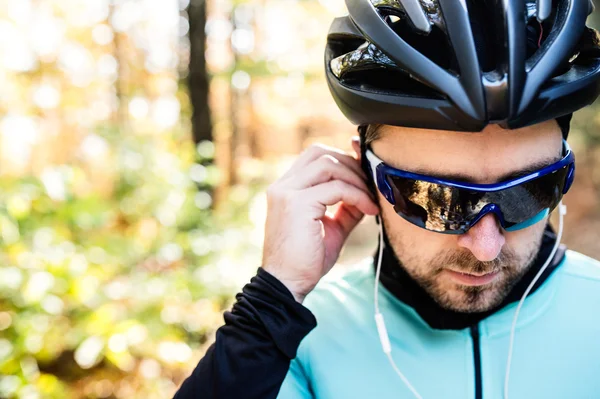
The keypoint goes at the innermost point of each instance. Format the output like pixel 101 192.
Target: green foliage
pixel 114 291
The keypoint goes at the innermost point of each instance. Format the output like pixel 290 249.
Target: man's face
pixel 471 272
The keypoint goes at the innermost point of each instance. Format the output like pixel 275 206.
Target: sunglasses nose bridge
pixel 489 208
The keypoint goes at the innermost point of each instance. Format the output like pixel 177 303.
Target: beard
pixel 429 272
pixel 510 267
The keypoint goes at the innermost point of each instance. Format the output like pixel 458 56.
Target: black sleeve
pixel 252 352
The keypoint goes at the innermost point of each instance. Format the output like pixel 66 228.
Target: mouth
pixel 472 279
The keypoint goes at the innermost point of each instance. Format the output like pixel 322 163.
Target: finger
pixel 332 192
pixel 347 218
pixel 339 225
pixel 322 170
pixel 318 150
pixel 337 228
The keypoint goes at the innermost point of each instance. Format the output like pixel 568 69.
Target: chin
pixel 471 299
pixel 467 306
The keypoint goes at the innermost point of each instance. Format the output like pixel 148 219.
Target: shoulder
pixel 579 281
pixel 344 287
pixel 342 302
pixel 580 267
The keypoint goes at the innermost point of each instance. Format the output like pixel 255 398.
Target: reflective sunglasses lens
pixel 524 205
pixel 432 206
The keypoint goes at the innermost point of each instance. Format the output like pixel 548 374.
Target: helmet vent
pixel 388 81
pixel 434 46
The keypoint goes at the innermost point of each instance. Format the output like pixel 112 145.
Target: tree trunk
pixel 198 76
pixel 121 118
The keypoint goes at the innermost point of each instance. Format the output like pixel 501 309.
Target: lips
pixel 472 279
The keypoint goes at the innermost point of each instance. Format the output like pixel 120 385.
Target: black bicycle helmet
pixel 462 64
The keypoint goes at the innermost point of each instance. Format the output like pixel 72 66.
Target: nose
pixel 484 239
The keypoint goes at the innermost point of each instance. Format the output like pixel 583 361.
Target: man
pixel 463 108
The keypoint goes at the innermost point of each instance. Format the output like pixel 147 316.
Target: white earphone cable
pixel 562 210
pixel 383 335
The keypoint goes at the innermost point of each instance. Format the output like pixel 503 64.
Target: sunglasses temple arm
pixel 374 162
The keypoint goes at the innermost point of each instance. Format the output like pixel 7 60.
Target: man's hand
pixel 303 240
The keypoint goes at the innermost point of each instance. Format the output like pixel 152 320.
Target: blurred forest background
pixel 129 217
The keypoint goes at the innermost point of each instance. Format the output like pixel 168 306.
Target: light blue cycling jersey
pixel 556 351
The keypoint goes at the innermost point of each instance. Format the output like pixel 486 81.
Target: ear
pixel 356 146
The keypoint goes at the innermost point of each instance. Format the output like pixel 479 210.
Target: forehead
pixel 482 157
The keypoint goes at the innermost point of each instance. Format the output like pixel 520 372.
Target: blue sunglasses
pixel 451 207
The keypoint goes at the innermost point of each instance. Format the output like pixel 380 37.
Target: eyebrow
pixel 458 177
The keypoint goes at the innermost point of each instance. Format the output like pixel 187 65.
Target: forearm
pixel 252 352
